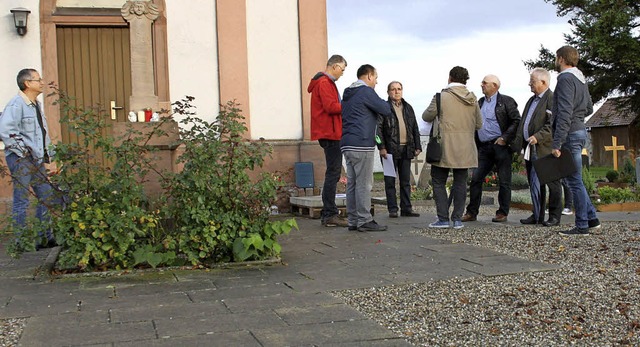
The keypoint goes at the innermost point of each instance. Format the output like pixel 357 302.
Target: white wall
pixel 274 69
pixel 18 52
pixel 193 54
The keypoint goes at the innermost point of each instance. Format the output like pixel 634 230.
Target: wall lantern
pixel 20 15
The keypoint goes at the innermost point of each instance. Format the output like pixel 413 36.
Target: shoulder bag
pixel 434 148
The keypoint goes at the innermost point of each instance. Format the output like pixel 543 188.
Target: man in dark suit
pixel 500 119
pixel 535 137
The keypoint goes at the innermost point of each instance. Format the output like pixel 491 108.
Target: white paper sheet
pixel 527 153
pixel 387 166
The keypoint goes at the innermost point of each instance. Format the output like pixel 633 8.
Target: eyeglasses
pixel 38 80
pixel 341 68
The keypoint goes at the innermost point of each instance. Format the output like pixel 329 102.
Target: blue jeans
pixel 359 184
pixel 333 159
pixel 25 173
pixel 584 209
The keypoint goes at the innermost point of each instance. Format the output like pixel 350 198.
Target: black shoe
pixel 353 228
pixel 594 224
pixel 530 220
pixel 409 213
pixel 393 214
pixel 575 232
pixel 372 226
pixel 551 222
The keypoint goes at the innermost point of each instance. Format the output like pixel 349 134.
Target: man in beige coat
pixel 459 119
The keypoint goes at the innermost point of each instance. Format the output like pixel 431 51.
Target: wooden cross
pixel 615 148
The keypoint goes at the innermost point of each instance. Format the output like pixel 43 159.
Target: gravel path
pixel 10 330
pixel 594 300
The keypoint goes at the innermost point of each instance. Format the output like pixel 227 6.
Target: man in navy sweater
pixel 361 107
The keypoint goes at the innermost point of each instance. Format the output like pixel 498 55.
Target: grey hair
pixel 23 76
pixel 542 74
pixel 336 59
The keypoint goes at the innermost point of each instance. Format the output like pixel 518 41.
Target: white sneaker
pixel 567 212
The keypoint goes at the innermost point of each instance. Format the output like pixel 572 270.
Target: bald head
pixel 490 85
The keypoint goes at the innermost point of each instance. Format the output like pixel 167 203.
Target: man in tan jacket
pixel 459 119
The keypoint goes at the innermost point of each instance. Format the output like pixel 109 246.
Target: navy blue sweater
pixel 361 107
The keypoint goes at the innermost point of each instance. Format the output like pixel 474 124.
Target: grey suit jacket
pixel 539 126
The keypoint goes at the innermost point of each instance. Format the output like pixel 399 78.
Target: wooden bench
pixel 311 206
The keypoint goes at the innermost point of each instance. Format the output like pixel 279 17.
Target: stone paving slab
pixel 58 332
pixel 276 305
pixel 233 338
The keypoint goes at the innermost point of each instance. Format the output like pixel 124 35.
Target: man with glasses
pixel 24 131
pixel 500 120
pixel 326 127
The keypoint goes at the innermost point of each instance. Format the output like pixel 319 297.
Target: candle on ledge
pixel 140 116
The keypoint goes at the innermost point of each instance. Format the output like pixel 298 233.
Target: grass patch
pixel 599 172
pixel 379 176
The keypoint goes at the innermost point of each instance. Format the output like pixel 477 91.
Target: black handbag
pixel 434 148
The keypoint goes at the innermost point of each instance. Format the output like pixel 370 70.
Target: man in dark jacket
pixel 534 138
pixel 400 137
pixel 361 108
pixel 326 127
pixel 571 104
pixel 500 119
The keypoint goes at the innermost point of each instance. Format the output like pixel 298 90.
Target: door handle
pixel 114 108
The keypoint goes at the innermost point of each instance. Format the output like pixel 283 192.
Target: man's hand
pixel 532 140
pixel 418 152
pixel 500 142
pixel 383 153
pixel 556 153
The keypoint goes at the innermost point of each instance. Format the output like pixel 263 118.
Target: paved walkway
pixel 267 305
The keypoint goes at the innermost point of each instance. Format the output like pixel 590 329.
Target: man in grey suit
pixel 534 132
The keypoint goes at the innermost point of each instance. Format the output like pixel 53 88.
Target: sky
pixel 417 42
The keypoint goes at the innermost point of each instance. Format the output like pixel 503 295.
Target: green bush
pixel 612 176
pixel 220 213
pixel 610 195
pixel 628 173
pixel 419 193
pixel 519 181
pixel 588 181
pixel 211 211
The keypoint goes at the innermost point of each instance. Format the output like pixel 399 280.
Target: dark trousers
pixel 568 197
pixel 458 192
pixel 403 169
pixel 333 158
pixel 490 155
pixel 555 196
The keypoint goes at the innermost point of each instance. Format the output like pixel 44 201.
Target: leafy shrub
pixel 588 181
pixel 610 195
pixel 220 213
pixel 521 197
pixel 420 193
pixel 211 210
pixel 612 176
pixel 628 173
pixel 106 217
pixel 519 181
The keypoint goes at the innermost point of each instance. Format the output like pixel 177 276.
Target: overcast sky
pixel 417 42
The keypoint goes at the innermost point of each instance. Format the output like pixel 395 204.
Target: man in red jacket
pixel 326 127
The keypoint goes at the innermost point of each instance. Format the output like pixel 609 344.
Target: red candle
pixel 147 114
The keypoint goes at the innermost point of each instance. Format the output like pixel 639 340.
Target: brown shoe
pixel 469 218
pixel 499 218
pixel 335 221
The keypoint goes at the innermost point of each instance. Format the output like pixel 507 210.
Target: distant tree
pixel 607 35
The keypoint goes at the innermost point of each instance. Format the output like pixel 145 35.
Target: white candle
pixel 140 116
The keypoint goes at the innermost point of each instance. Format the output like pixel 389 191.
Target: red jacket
pixel 326 111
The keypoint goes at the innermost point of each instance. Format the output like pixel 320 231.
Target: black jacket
pixel 539 125
pixel 508 116
pixel 390 134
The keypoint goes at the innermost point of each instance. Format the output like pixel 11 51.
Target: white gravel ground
pixel 593 300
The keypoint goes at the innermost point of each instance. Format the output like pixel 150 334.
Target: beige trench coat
pixel 459 119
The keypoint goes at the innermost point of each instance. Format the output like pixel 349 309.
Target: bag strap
pixel 438 104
